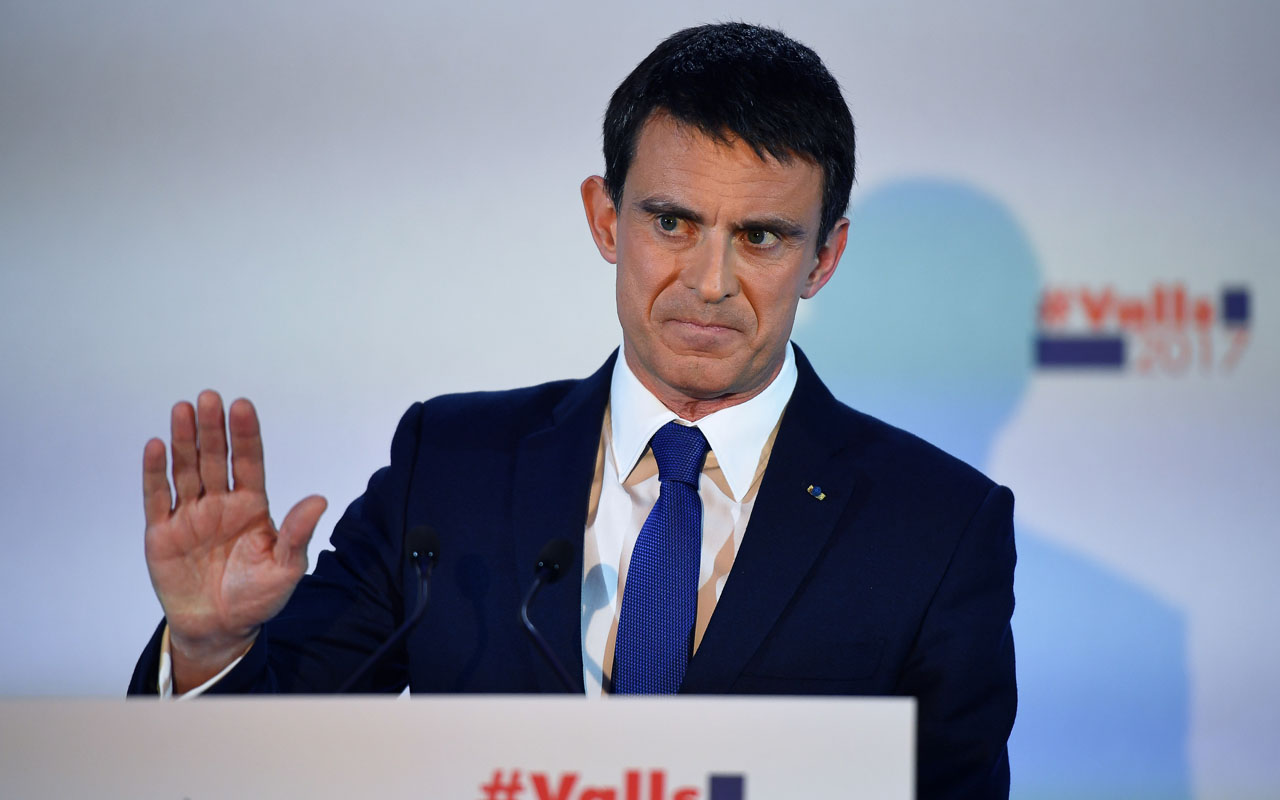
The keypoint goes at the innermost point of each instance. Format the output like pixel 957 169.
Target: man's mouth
pixel 708 326
pixel 701 335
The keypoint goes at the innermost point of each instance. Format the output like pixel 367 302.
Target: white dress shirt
pixel 626 487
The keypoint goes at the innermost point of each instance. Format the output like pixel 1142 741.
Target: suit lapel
pixel 788 529
pixel 553 472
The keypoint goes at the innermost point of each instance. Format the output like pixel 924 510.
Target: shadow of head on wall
pixel 928 321
pixel 928 324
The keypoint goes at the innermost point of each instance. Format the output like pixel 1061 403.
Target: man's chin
pixel 681 374
pixel 701 377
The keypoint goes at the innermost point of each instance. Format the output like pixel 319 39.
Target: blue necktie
pixel 660 599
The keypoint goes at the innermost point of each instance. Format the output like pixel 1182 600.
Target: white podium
pixel 460 748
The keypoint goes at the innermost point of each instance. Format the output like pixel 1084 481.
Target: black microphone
pixel 554 560
pixel 422 544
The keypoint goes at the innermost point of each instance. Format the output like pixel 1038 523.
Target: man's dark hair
pixel 739 81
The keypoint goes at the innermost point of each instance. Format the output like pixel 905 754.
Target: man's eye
pixel 762 238
pixel 668 222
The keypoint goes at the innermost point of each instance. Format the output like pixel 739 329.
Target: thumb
pixel 297 527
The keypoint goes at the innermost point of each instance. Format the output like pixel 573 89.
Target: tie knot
pixel 679 451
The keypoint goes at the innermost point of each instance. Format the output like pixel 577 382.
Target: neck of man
pixel 692 409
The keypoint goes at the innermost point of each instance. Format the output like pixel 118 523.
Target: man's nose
pixel 711 271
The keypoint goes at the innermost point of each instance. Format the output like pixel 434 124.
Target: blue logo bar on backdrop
pixel 1080 351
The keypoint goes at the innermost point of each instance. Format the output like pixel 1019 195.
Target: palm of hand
pixel 214 564
pixel 218 564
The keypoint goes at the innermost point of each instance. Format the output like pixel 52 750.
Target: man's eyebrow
pixel 662 205
pixel 786 228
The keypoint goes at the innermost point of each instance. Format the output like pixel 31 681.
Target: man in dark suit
pixel 740 530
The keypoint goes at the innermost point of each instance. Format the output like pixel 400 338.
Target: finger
pixel 299 524
pixel 213 442
pixel 246 447
pixel 156 500
pixel 182 434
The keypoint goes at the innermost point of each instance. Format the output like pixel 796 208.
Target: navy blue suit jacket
pixel 899 582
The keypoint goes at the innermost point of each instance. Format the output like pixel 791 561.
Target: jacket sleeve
pixel 961 668
pixel 344 609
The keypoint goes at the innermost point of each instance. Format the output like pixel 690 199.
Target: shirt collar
pixel 737 434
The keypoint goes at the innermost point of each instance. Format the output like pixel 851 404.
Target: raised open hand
pixel 219 565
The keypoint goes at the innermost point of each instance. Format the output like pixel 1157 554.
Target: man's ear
pixel 602 217
pixel 828 257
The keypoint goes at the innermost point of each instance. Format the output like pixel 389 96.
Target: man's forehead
pixel 662 123
pixel 681 163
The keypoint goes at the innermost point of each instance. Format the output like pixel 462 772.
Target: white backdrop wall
pixel 338 209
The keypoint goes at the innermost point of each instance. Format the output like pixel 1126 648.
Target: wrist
pixel 195 661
